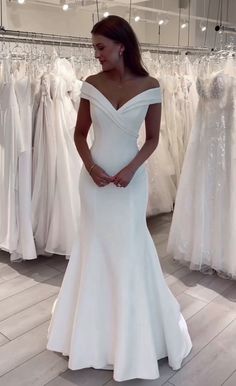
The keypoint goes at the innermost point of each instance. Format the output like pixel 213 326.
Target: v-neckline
pixel 124 104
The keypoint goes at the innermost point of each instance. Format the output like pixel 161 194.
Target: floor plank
pixel 26 320
pixel 85 377
pixel 30 296
pixel 231 381
pixel 205 325
pixel 37 371
pixel 21 349
pixel 214 364
pixel 227 299
pixel 189 305
pixel 22 282
pixel 3 339
pixel 209 288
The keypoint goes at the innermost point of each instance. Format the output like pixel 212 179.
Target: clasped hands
pixel 121 179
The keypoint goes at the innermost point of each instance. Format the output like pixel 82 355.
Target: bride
pixel 114 310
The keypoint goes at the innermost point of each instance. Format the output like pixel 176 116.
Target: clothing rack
pixel 83 42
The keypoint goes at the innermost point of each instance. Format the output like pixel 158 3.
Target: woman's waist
pixel 112 160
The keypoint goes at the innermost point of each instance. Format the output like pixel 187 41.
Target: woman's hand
pixel 100 177
pixel 123 178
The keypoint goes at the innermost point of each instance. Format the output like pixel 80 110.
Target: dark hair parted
pixel 119 30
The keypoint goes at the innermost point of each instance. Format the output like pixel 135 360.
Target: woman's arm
pixel 81 131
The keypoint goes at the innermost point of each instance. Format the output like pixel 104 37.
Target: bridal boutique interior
pixel 46 53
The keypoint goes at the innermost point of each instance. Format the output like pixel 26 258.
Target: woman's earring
pixel 120 52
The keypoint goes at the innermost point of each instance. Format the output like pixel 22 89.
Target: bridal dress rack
pixel 40 79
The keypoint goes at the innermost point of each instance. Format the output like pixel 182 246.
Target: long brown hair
pixel 119 30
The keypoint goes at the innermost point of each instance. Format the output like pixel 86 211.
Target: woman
pixel 114 310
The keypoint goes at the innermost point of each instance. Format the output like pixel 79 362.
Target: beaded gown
pixel 204 222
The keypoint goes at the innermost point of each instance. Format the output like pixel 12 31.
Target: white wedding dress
pixel 115 310
pixel 12 148
pixel 65 209
pixel 204 222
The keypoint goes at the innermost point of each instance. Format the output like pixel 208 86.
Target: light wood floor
pixel 28 290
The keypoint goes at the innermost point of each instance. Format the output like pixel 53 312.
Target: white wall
pixel 53 20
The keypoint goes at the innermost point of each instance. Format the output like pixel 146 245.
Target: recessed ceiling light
pixel 65 7
pixel 106 14
pixel 137 18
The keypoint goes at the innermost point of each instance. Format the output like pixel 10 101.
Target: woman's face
pixel 108 52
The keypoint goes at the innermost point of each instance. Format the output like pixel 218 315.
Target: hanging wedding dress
pixel 44 166
pixel 161 171
pixel 204 222
pixel 114 309
pixel 11 148
pixel 26 246
pixel 66 203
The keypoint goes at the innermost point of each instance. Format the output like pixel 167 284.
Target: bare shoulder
pixel 94 79
pixel 152 82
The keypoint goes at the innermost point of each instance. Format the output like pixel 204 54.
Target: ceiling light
pixel 106 14
pixel 65 7
pixel 137 18
pixel 21 1
pixel 184 24
pixel 161 22
pixel 203 26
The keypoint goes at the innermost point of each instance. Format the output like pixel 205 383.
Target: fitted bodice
pixel 116 131
pixel 212 88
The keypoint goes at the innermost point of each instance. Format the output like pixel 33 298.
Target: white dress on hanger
pixel 162 190
pixel 66 203
pixel 44 166
pixel 161 171
pixel 26 246
pixel 173 120
pixel 115 310
pixel 11 148
pixel 204 222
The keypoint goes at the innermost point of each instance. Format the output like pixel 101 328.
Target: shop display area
pixel 46 54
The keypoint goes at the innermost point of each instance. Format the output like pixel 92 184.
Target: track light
pixel 137 18
pixel 203 26
pixel 65 6
pixel 163 21
pixel 184 24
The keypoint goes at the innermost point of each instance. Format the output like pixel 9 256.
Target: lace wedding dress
pixel 204 222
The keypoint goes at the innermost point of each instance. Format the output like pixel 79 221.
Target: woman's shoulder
pixel 94 79
pixel 152 82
